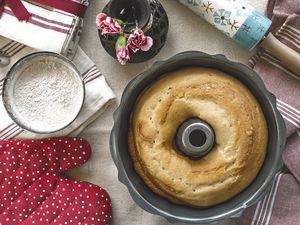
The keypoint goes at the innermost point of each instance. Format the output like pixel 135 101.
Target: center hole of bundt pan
pixel 195 138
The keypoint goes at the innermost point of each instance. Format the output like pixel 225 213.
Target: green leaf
pixel 119 21
pixel 121 42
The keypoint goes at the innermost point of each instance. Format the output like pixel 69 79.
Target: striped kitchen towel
pixel 97 93
pixel 282 204
pixel 47 29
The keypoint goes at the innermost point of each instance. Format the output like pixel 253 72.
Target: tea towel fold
pixel 282 204
pixel 98 93
pixel 47 29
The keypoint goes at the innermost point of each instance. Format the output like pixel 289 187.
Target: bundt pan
pixel 155 204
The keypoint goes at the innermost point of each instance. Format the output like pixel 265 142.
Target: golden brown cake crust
pixel 231 110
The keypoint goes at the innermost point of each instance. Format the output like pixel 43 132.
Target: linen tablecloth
pixel 282 204
pixel 50 29
pixel 47 29
pixel 187 32
pixel 97 93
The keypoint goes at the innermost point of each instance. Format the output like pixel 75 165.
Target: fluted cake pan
pixel 158 205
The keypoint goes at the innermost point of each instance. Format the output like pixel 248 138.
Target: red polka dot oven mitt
pixel 32 191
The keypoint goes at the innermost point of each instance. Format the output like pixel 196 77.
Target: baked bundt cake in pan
pixel 227 106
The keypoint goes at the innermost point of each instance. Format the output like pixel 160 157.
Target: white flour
pixel 47 95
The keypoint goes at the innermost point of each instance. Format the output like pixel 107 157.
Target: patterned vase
pixel 150 17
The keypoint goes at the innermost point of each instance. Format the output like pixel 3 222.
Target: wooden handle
pixel 289 57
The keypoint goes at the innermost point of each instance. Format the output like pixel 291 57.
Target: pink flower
pixel 108 25
pixel 137 40
pixel 123 54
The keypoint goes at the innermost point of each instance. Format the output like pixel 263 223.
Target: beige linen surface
pixel 187 32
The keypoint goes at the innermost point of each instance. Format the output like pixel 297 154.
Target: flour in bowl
pixel 47 95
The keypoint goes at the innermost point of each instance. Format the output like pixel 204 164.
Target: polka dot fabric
pixel 32 191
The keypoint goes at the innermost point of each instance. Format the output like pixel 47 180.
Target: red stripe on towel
pixel 40 24
pixel 68 6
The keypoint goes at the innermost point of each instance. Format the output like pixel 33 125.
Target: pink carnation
pixel 137 40
pixel 123 55
pixel 107 25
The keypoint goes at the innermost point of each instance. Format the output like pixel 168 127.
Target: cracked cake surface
pixel 240 136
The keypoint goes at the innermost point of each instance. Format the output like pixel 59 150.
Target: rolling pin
pixel 244 24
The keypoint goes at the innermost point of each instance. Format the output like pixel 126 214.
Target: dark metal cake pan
pixel 158 205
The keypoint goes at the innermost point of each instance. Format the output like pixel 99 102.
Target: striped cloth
pixel 98 93
pixel 282 204
pixel 47 29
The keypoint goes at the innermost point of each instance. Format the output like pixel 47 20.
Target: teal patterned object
pixel 253 30
pixel 235 18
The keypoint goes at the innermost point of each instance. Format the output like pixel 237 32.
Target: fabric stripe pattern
pixel 40 23
pixel 264 207
pixel 97 93
pixel 58 31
